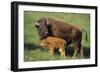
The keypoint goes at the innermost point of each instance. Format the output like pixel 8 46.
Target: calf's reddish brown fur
pixel 53 43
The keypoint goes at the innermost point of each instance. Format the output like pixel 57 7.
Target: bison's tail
pixel 86 37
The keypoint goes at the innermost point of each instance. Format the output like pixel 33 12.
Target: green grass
pixel 33 51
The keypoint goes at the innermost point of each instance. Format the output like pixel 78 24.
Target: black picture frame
pixel 14 35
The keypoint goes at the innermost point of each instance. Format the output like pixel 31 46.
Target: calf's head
pixel 43 43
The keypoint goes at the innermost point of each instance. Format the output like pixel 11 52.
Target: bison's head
pixel 42 26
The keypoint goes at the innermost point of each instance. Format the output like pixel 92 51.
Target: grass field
pixel 32 50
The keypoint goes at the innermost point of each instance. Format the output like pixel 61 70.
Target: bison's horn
pixel 37 24
pixel 47 21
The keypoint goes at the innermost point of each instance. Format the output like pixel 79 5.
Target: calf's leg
pixel 51 50
pixel 62 52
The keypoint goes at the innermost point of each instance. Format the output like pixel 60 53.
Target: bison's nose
pixel 46 32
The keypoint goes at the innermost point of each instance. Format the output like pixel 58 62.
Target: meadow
pixel 34 52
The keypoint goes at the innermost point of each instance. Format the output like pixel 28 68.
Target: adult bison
pixel 56 28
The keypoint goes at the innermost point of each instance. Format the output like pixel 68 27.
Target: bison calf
pixel 54 43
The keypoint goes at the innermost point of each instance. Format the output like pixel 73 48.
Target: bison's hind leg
pixel 81 51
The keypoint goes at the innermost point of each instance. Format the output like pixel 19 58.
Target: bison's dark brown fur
pixel 56 28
